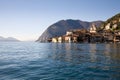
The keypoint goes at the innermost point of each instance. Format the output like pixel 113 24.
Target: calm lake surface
pixel 59 61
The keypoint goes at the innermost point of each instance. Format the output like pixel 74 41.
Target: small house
pixel 68 38
pixel 55 39
pixel 60 39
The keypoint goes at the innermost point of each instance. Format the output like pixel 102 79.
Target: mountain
pixel 59 28
pixel 112 23
pixel 9 39
pixel 1 37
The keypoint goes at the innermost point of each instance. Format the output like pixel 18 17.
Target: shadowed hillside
pixel 60 28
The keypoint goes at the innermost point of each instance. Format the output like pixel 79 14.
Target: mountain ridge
pixel 8 39
pixel 59 28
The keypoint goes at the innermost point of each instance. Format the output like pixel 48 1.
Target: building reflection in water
pixel 94 53
pixel 103 57
pixel 115 52
pixel 92 50
pixel 61 51
pixel 54 50
pixel 106 54
pixel 68 54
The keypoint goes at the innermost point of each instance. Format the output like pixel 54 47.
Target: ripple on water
pixel 49 61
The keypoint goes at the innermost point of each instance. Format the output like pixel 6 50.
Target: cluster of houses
pixel 92 35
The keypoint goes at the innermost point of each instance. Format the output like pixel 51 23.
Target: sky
pixel 26 20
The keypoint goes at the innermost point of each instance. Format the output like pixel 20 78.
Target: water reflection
pixel 96 52
pixel 103 56
pixel 113 51
pixel 107 55
pixel 68 55
pixel 100 56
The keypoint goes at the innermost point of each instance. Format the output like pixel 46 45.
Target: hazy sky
pixel 27 19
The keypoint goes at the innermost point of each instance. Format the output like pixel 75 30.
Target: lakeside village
pixel 92 35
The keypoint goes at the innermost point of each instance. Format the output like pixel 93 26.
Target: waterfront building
pixel 60 39
pixel 81 35
pixel 75 38
pixel 68 38
pixel 55 39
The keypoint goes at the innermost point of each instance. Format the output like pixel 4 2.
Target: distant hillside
pixel 112 23
pixel 9 39
pixel 59 28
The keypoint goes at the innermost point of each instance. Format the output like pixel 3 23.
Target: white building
pixel 54 40
pixel 93 28
pixel 107 27
pixel 59 39
pixel 68 39
pixel 69 33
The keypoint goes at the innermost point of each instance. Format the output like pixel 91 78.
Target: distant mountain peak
pixel 1 37
pixel 9 39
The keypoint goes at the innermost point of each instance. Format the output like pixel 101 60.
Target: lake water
pixel 59 61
